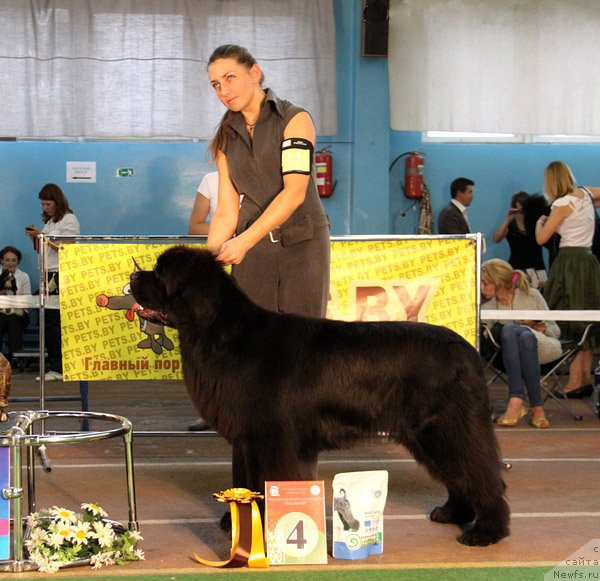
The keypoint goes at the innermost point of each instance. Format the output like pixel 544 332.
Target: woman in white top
pixel 59 220
pixel 13 281
pixel 574 279
pixel 205 204
pixel 525 344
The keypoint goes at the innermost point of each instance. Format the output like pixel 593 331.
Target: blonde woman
pixel 574 279
pixel 525 344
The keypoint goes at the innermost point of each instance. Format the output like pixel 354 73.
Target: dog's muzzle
pixel 152 315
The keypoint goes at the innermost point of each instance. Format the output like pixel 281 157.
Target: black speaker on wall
pixel 376 17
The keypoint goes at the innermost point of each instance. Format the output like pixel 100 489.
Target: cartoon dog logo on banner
pixel 156 338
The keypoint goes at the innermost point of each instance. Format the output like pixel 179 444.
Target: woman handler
pixel 269 222
pixel 277 239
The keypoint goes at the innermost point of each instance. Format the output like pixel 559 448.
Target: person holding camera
pixel 13 281
pixel 59 220
pixel 525 253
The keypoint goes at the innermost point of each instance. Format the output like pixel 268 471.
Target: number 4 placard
pixel 295 522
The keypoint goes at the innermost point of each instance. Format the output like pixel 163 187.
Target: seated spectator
pixel 524 344
pixel 13 281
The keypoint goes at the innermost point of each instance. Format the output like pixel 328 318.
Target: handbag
pixel 596 239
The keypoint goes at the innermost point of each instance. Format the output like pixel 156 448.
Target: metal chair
pixel 570 350
pixel 550 382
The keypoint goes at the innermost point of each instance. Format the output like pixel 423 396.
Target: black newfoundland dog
pixel 282 388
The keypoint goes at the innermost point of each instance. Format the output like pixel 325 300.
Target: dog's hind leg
pixel 457 510
pixel 468 465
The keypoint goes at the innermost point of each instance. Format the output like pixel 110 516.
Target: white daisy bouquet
pixel 57 537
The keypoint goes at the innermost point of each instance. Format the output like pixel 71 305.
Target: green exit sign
pixel 125 172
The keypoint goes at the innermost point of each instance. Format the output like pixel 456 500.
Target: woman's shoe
pixel 540 423
pixel 580 392
pixel 508 423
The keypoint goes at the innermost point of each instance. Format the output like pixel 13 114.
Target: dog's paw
pixel 442 515
pixel 479 538
pixel 448 515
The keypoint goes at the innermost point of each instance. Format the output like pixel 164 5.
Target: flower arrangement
pixel 57 537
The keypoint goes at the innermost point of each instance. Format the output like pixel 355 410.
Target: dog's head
pixel 183 287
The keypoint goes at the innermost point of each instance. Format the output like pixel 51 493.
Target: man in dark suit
pixel 453 218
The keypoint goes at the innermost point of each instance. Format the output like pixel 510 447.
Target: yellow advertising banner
pixel 429 280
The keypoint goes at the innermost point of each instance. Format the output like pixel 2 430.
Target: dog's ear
pixel 172 269
pixel 191 285
pixel 201 307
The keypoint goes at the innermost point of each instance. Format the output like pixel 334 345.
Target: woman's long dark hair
pixel 51 192
pixel 243 57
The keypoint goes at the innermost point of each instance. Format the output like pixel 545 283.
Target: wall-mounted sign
pixel 81 172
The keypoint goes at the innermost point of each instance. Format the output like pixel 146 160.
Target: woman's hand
pixel 546 226
pixel 32 231
pixel 539 326
pixel 233 251
pixel 503 228
pixel 511 215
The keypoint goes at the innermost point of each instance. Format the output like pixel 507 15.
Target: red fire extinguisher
pixel 324 167
pixel 413 174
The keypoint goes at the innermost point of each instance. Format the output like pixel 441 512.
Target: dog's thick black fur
pixel 282 388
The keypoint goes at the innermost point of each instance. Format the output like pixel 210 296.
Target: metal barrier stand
pixel 19 434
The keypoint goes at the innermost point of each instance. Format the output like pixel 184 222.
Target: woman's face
pixel 233 83
pixel 9 261
pixel 48 207
pixel 488 288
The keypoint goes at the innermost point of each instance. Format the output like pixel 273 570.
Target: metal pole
pixel 17 497
pixel 478 293
pixel 43 247
pixel 128 441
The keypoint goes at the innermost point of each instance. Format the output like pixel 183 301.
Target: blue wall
pixel 367 199
pixel 498 171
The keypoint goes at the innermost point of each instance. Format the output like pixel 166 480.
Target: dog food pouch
pixel 358 503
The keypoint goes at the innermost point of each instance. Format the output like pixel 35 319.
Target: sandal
pixel 541 423
pixel 509 423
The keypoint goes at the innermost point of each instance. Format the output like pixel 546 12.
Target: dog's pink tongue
pixel 130 314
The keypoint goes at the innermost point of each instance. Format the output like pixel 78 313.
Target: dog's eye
pixel 127 289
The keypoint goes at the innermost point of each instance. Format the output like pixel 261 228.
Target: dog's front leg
pixel 254 462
